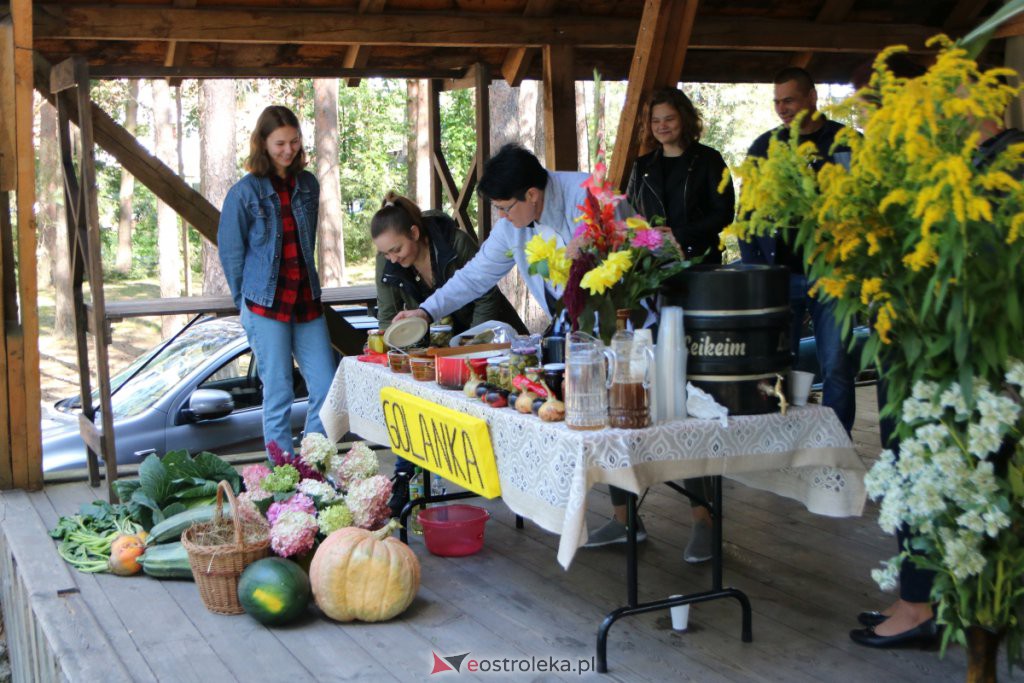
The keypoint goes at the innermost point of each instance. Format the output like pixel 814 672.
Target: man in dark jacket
pixel 795 93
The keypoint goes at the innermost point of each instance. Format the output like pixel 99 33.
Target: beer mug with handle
pixel 586 381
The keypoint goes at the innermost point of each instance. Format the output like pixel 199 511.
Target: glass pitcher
pixel 586 386
pixel 629 403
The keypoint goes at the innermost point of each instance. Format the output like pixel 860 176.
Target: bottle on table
pixel 416 490
pixel 437 487
pixel 628 397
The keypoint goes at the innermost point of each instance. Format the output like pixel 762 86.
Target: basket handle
pixel 224 487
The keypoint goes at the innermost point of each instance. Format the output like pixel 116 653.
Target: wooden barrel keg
pixel 736 320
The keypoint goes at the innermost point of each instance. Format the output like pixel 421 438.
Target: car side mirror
pixel 209 404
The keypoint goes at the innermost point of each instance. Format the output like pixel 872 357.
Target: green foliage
pixel 458 138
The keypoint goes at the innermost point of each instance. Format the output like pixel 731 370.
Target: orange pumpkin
pixel 364 575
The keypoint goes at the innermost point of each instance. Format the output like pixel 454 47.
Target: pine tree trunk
pixel 125 222
pixel 53 225
pixel 332 244
pixel 168 245
pixel 217 165
pixel 582 132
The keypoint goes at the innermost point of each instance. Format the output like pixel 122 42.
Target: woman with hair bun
pixel 417 253
pixel 266 239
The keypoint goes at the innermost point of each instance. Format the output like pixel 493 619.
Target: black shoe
pixel 871 618
pixel 399 493
pixel 924 636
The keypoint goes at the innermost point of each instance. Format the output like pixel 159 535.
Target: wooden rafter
pixel 176 52
pixel 964 13
pixel 657 62
pixel 137 160
pixel 356 56
pixel 833 11
pixel 256 71
pixel 517 61
pixel 454 30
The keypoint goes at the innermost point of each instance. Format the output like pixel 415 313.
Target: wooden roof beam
pixel 833 11
pixel 455 30
pixel 356 56
pixel 257 71
pixel 137 160
pixel 657 62
pixel 176 51
pixel 517 62
pixel 964 13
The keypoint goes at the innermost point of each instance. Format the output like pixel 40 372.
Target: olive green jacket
pixel 451 250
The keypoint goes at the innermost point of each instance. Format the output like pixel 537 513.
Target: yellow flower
pixel 883 323
pixel 538 249
pixel 558 267
pixel 608 273
pixel 637 223
pixel 869 289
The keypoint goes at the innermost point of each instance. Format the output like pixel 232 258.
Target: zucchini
pixel 167 561
pixel 171 528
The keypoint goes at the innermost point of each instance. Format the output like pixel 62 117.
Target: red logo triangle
pixel 440 665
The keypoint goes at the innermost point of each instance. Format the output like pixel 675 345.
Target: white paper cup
pixel 799 386
pixel 680 615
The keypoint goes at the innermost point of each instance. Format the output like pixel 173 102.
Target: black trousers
pixel 698 486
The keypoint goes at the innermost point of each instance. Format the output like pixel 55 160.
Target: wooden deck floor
pixel 807 576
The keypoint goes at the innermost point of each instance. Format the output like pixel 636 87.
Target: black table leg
pixel 717 592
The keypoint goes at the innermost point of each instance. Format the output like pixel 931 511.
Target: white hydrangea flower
pixel 1015 372
pixel 953 398
pixel 997 411
pixel 995 521
pixel 321 490
pixel 983 440
pixel 888 575
pixel 925 390
pixel 316 450
pixel 933 436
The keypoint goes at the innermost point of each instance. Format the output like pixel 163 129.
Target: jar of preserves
pixel 494 371
pixel 375 341
pixel 440 334
pixel 525 353
pixel 505 373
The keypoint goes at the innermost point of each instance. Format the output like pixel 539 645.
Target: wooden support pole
pixel 23 333
pixel 661 45
pixel 560 146
pixel 482 75
pixel 437 187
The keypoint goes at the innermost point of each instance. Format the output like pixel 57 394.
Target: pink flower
pixel 247 510
pixel 293 534
pixel 299 501
pixel 647 239
pixel 253 475
pixel 368 501
pixel 280 457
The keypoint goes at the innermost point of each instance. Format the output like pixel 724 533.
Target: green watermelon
pixel 274 590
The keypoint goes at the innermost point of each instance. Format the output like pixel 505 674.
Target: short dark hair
pixel 795 73
pixel 693 124
pixel 399 214
pixel 272 118
pixel 511 172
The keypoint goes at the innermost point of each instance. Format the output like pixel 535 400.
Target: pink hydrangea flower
pixel 299 502
pixel 293 534
pixel 253 475
pixel 647 239
pixel 368 502
pixel 247 510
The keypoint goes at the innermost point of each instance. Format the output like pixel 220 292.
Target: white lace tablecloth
pixel 546 469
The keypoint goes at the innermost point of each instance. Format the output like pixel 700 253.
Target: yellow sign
pixel 442 440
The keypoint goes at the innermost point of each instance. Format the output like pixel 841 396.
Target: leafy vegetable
pixel 85 538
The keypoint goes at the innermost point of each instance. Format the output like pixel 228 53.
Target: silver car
pixel 199 390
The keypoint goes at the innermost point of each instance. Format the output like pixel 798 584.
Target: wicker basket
pixel 219 550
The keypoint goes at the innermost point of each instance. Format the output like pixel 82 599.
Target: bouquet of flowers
pixel 306 497
pixel 611 263
pixel 959 486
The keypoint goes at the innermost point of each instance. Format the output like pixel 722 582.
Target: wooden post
pixel 482 76
pixel 560 109
pixel 434 140
pixel 22 327
pixel 661 44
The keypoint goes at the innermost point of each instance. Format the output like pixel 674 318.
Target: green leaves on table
pixel 173 484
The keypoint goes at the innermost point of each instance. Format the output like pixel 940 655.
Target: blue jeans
pixel 837 369
pixel 274 344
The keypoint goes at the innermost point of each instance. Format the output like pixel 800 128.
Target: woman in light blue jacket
pixel 267 239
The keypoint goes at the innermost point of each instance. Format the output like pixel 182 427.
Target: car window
pixel 178 360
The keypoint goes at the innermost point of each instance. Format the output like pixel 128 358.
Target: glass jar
pixel 375 341
pixel 629 393
pixel 422 368
pixel 525 353
pixel 494 371
pixel 505 373
pixel 440 334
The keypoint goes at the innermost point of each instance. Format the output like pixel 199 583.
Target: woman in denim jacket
pixel 266 238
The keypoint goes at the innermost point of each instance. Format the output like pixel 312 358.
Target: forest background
pixel 362 141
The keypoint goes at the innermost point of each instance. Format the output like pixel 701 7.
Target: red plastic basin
pixel 453 530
